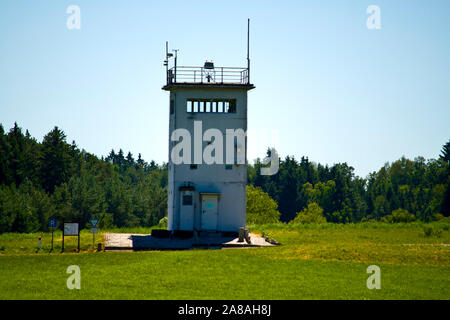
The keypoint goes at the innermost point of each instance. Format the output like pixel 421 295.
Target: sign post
pixel 52 224
pixel 94 230
pixel 71 229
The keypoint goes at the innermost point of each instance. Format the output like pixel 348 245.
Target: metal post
pixel 248 51
pixel 167 62
pixel 241 234
pixel 175 76
pixel 52 238
pixel 78 237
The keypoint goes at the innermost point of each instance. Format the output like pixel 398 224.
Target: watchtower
pixel 207 146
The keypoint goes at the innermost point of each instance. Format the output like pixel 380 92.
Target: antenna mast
pixel 166 62
pixel 248 50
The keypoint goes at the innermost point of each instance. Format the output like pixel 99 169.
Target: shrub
pixel 106 220
pixel 261 208
pixel 399 215
pixel 429 231
pixel 162 223
pixel 311 214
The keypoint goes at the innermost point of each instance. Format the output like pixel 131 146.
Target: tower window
pixel 172 106
pixel 232 106
pixel 193 166
pixel 220 108
pixel 211 105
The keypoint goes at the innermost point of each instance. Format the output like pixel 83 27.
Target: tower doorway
pixel 210 212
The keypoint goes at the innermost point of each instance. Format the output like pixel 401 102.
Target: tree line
pixel 409 189
pixel 55 179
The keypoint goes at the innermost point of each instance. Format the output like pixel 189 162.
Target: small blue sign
pixel 93 222
pixel 53 223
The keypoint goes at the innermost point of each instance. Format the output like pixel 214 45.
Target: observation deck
pixel 208 76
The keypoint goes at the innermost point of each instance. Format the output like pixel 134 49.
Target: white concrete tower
pixel 208 116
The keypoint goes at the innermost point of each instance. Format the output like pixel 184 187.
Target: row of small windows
pixel 215 105
pixel 227 167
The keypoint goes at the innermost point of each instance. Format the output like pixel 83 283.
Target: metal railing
pixel 218 75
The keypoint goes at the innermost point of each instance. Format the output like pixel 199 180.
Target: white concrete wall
pixel 209 178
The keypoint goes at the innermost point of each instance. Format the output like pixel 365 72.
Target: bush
pixel 163 223
pixel 398 216
pixel 18 213
pixel 106 220
pixel 429 231
pixel 261 208
pixel 312 214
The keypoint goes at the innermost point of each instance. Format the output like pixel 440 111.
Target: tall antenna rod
pixel 166 62
pixel 175 66
pixel 248 50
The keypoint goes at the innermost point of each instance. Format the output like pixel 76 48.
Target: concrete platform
pixel 136 242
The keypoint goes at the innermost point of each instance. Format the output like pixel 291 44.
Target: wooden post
pixel 62 250
pixel 78 237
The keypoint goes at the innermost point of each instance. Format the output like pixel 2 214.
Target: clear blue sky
pixel 333 89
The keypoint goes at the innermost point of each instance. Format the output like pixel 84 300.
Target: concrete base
pixel 135 242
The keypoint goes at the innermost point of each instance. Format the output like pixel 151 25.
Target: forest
pixel 57 179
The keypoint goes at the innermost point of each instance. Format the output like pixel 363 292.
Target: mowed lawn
pixel 313 262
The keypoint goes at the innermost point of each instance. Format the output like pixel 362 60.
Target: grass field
pixel 314 262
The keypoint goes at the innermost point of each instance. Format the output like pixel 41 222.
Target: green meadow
pixel 327 261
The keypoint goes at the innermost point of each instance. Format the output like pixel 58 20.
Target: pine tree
pixel 30 165
pixel 445 156
pixel 121 161
pixel 16 155
pixel 289 180
pixel 445 152
pixel 56 163
pixel 130 159
pixel 5 176
pixel 140 161
pixel 111 158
